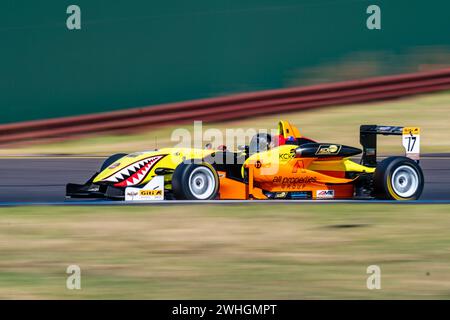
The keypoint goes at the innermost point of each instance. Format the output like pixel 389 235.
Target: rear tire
pixel 111 160
pixel 398 178
pixel 191 181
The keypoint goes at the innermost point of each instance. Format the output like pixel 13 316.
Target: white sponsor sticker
pixel 152 191
pixel 411 142
pixel 325 194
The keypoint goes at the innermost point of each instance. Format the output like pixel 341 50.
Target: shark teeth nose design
pixel 133 174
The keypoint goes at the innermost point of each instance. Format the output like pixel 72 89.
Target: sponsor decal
pixel 287 156
pixel 135 154
pixel 328 149
pixel 276 195
pixel 258 164
pixel 411 142
pixel 277 179
pixel 301 195
pixel 293 180
pixel 370 151
pixel 293 183
pixel 94 188
pixel 131 194
pixel 114 165
pixel 146 193
pixel 298 165
pixel 325 194
pixel 280 195
pixel 411 130
pixel 154 190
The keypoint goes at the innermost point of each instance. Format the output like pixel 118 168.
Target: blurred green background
pixel 136 53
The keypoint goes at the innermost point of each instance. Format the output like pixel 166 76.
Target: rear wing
pixel 368 139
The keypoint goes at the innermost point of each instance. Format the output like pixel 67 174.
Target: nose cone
pixel 128 171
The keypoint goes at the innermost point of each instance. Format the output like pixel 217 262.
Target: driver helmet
pixel 290 139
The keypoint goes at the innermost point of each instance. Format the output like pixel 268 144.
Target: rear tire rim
pixel 405 181
pixel 202 183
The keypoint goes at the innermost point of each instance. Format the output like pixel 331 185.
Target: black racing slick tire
pixel 109 161
pixel 195 181
pixel 398 178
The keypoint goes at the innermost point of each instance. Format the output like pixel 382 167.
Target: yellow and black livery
pixel 284 166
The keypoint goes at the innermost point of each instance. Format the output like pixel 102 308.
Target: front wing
pixel 95 191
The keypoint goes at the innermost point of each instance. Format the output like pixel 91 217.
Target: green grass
pixel 339 124
pixel 249 251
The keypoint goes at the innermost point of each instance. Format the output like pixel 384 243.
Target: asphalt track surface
pixel 42 180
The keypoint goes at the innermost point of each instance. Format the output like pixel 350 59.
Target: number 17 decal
pixel 411 142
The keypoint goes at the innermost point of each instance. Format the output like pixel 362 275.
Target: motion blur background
pixel 137 53
pixel 141 53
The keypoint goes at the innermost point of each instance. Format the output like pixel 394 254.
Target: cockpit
pixel 287 134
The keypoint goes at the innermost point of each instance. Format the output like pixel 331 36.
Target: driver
pixel 260 142
pixel 288 140
pixel 287 134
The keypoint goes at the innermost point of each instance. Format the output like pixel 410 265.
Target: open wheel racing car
pixel 287 166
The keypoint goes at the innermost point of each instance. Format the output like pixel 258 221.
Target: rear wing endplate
pixel 368 139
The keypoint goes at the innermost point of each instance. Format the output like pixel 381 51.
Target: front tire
pixel 398 178
pixel 191 181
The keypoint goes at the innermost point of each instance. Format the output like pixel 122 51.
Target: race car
pixel 286 165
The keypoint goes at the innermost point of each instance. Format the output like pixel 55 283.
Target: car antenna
pixel 156 143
